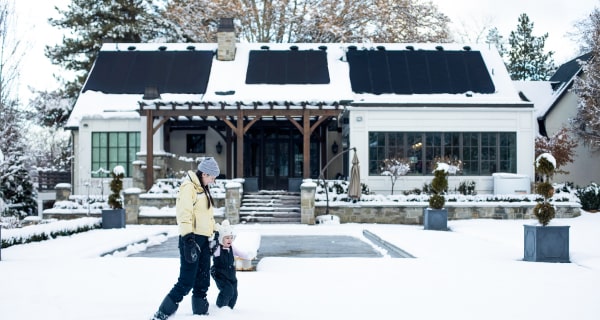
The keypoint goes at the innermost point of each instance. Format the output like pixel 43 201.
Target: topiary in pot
pixel 439 184
pixel 544 243
pixel 116 186
pixel 544 167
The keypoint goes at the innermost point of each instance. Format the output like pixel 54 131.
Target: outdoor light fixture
pixel 219 147
pixel 334 147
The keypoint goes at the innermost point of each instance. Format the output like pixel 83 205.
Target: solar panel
pixel 359 71
pixel 399 73
pixel 129 72
pixel 287 67
pixel 418 72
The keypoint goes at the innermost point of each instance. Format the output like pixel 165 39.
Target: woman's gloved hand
pixel 190 248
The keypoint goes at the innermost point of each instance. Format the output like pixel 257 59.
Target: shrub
pixel 467 187
pixel 439 184
pixel 544 167
pixel 116 185
pixel 589 197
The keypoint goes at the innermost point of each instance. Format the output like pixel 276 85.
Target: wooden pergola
pixel 239 117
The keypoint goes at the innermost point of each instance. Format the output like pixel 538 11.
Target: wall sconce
pixel 219 147
pixel 334 147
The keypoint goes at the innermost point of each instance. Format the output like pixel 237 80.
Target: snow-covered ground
pixel 474 271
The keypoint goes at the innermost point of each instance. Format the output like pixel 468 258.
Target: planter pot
pixel 435 219
pixel 113 218
pixel 546 244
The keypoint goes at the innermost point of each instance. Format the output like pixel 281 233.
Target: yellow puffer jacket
pixel 193 214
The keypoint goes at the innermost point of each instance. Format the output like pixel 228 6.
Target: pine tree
pixel 527 60
pixel 92 22
pixel 16 187
pixel 312 21
pixel 586 123
pixel 495 39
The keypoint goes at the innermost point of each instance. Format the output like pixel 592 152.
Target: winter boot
pixel 166 309
pixel 199 305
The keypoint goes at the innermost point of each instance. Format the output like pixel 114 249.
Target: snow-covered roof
pixel 538 92
pixel 227 81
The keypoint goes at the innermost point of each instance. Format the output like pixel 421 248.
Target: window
pixel 481 153
pixel 196 143
pixel 110 149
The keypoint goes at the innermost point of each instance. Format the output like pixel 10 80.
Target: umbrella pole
pixel 322 177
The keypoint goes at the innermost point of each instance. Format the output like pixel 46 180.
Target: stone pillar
pixel 132 205
pixel 232 202
pixel 63 191
pixel 138 175
pixel 307 201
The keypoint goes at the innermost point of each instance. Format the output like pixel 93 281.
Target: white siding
pixel 519 120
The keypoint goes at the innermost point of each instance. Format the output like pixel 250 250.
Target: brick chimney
pixel 226 40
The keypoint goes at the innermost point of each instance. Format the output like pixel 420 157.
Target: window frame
pixel 482 153
pixel 112 148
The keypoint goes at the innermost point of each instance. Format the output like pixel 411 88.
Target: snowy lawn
pixel 472 272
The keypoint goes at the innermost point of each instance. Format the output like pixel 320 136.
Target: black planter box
pixel 435 219
pixel 546 244
pixel 113 218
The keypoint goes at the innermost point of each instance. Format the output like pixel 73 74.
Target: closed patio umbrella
pixel 354 188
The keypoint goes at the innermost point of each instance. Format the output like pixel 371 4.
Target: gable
pixel 287 67
pixel 130 72
pixel 384 71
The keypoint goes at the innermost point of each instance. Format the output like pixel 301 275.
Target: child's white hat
pixel 224 229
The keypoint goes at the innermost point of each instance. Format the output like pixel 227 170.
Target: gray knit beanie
pixel 210 167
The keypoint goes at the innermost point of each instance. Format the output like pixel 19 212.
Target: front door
pixel 277 164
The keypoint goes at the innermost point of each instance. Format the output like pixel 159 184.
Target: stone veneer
pixel 413 213
pixel 360 212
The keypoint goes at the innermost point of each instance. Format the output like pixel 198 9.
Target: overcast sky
pixel 553 16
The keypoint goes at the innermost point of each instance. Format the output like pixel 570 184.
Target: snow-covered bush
pixel 395 168
pixel 45 231
pixel 589 197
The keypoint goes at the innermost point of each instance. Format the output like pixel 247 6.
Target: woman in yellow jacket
pixel 196 223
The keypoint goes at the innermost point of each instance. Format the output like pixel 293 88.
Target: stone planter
pixel 113 218
pixel 546 244
pixel 435 219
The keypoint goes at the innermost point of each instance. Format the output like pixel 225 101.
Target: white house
pixel 275 114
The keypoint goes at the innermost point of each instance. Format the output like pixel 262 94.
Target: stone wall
pixel 413 214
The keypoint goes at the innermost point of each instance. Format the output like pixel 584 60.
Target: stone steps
pixel 270 207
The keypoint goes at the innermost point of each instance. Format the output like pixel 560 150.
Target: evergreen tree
pixel 527 60
pixel 586 123
pixel 92 22
pixel 16 187
pixel 313 21
pixel 495 39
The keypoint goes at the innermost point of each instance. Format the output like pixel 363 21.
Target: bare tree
pixel 313 21
pixel 586 124
pixel 561 145
pixel 10 54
